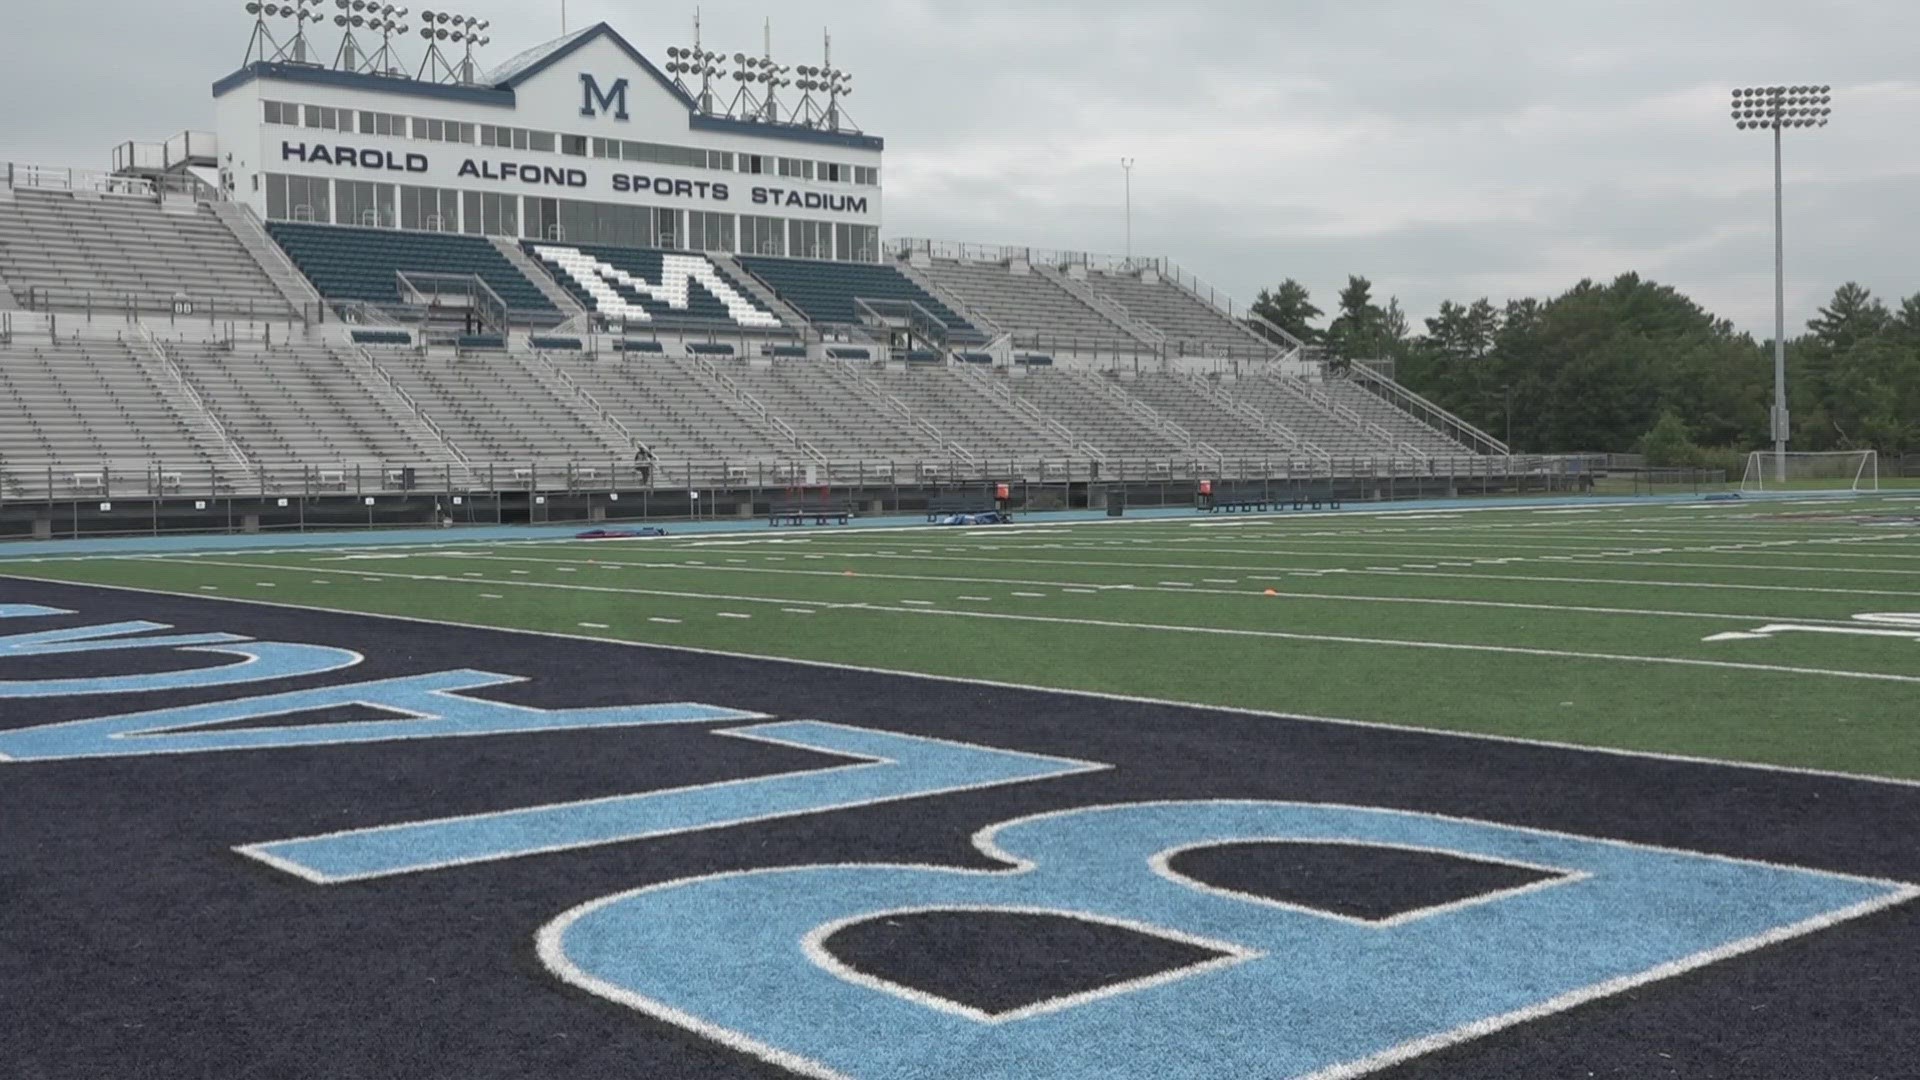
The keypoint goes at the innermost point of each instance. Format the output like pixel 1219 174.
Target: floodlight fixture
pixel 1776 109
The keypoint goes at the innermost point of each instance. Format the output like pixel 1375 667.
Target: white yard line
pixel 1356 598
pixel 1341 639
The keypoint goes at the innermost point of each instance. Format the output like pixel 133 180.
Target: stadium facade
pixel 581 139
pixel 585 284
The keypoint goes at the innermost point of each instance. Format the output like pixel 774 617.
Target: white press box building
pixel 582 139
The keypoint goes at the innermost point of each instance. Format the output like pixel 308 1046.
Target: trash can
pixel 1116 502
pixel 408 478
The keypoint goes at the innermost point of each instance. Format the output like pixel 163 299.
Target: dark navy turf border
pixel 135 942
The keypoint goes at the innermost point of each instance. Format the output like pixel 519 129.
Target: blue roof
pixel 502 81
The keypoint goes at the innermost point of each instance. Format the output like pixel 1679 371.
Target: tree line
pixel 1634 365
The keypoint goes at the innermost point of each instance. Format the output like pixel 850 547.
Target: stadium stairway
pixel 556 295
pixel 287 280
pixel 7 302
pixel 563 387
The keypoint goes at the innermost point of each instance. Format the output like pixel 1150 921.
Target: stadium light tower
pixel 1775 109
pixel 1126 166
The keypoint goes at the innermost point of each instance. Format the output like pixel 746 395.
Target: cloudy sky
pixel 1455 150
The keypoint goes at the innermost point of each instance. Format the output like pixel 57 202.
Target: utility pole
pixel 1126 165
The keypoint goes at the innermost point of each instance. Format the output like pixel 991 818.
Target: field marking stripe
pixel 1390 572
pixel 559 585
pixel 961 680
pixel 1281 635
pixel 1399 643
pixel 1506 605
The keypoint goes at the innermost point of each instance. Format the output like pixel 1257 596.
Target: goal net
pixel 1840 470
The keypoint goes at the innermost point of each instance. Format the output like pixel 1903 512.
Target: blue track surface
pixel 151 545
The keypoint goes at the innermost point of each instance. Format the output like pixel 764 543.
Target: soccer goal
pixel 1838 470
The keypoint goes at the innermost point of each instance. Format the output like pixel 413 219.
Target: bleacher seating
pixel 1026 304
pixel 97 252
pixel 499 408
pixel 1094 416
pixel 97 407
pixel 384 338
pixel 1282 399
pixel 1192 326
pixel 967 414
pixel 304 404
pixel 676 412
pixel 825 405
pixel 1176 398
pixel 346 263
pixel 1405 426
pixel 825 291
pixel 661 288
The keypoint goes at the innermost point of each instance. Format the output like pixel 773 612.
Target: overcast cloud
pixel 1455 150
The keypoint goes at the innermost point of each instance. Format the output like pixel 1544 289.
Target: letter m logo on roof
pixel 594 101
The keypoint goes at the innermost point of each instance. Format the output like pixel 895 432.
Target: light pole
pixel 1775 109
pixel 1126 166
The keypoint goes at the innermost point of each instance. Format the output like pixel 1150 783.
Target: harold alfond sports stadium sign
pixel 250 838
pixel 551 176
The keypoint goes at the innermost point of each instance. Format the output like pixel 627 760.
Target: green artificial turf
pixel 1543 624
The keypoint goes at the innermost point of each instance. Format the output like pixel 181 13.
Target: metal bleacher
pixel 1177 398
pixel 662 289
pixel 1191 325
pixel 824 403
pixel 970 414
pixel 359 264
pixel 78 412
pixel 1404 425
pixel 1026 303
pixel 828 292
pixel 66 250
pixel 499 409
pixel 305 405
pixel 1095 415
pixel 676 411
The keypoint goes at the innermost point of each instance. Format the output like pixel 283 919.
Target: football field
pixel 1785 633
pixel 1593 789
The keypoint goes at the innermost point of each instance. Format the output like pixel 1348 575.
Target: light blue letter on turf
pixel 428 706
pixel 1298 994
pixel 890 767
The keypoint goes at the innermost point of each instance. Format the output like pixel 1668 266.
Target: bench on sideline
pixel 823 510
pixel 1259 496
